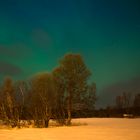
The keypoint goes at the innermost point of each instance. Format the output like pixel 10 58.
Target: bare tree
pixel 8 103
pixel 127 96
pixel 119 102
pixel 42 98
pixel 124 101
pixel 59 81
pixel 137 100
pixel 20 93
pixel 90 98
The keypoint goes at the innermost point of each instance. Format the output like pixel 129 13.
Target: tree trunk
pixel 69 109
pixel 69 117
pixel 46 123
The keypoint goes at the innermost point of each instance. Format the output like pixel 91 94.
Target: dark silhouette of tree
pixel 119 102
pixel 127 101
pixel 136 105
pixel 90 98
pixel 137 100
pixel 124 101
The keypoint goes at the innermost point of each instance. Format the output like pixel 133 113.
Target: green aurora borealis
pixel 35 34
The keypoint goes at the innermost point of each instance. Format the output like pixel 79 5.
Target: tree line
pixel 57 95
pixel 125 105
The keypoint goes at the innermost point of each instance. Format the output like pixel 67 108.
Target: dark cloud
pixel 14 51
pixel 8 69
pixel 108 94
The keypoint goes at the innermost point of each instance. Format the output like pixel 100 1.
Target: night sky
pixel 35 34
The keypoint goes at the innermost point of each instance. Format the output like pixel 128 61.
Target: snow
pixel 87 129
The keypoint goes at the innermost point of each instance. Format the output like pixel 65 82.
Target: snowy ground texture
pixel 96 129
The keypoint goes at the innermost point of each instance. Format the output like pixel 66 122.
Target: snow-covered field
pixel 92 129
